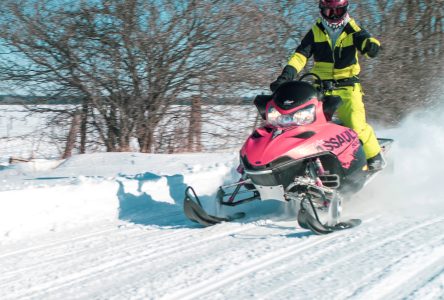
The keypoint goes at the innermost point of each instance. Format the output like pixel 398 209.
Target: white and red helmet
pixel 334 12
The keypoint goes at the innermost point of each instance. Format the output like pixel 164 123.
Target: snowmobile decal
pixel 340 140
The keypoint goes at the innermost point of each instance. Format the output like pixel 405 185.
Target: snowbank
pixel 50 196
pixel 35 210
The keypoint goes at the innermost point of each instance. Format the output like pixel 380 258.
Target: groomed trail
pixel 383 258
pixel 111 226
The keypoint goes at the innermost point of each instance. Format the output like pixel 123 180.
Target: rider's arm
pixel 297 61
pixel 303 52
pixel 366 44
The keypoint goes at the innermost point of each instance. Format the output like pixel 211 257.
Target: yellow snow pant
pixel 352 114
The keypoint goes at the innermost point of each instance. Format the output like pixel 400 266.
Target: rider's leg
pixel 352 113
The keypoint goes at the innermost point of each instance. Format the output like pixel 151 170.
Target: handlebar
pixel 324 86
pixel 321 85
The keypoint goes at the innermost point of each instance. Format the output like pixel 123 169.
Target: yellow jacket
pixel 332 62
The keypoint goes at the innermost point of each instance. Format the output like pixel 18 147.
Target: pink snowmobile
pixel 300 155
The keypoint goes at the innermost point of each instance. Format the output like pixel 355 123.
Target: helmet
pixel 334 12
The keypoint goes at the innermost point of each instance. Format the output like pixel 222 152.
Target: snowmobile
pixel 301 155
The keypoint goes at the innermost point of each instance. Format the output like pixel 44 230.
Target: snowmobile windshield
pixel 300 117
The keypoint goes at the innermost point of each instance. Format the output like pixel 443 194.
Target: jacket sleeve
pixel 303 52
pixel 361 38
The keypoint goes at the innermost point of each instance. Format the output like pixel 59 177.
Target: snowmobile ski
pixel 312 222
pixel 307 221
pixel 194 211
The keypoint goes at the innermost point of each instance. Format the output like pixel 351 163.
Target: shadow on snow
pixel 141 208
pixel 138 207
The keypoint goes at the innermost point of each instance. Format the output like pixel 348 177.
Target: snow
pixel 29 135
pixel 111 226
pixel 25 135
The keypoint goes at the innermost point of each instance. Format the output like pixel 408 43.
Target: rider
pixel 334 42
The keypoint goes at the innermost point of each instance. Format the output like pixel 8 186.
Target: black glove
pixel 288 74
pixel 371 49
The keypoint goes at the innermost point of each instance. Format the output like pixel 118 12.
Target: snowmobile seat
pixel 261 103
pixel 330 105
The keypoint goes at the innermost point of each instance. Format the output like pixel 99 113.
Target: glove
pixel 371 49
pixel 287 74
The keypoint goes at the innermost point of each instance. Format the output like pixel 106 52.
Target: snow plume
pixel 413 181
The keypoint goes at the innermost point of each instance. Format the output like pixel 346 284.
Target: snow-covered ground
pixel 26 135
pixel 42 135
pixel 110 226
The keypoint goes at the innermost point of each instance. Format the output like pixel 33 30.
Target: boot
pixel 376 163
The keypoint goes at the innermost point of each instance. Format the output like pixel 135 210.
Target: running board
pixel 385 144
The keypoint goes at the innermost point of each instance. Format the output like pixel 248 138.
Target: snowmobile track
pixel 386 282
pixel 211 285
pixel 432 287
pixel 77 247
pixel 374 244
pixel 276 259
pixel 58 243
pixel 116 262
pixel 250 267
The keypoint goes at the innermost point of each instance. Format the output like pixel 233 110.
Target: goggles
pixel 333 13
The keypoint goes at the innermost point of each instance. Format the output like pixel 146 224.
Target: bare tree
pixel 133 67
pixel 129 61
pixel 408 71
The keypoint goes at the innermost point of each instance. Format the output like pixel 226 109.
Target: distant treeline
pixel 35 100
pixel 39 100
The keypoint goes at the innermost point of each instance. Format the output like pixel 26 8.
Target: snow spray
pixel 413 182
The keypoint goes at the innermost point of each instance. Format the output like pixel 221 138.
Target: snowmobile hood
pixel 267 144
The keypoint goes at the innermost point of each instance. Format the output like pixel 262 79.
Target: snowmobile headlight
pixel 304 116
pixel 275 118
pixel 301 117
pixel 273 115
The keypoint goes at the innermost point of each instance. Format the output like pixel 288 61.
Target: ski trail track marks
pixel 56 266
pixel 263 259
pixel 307 269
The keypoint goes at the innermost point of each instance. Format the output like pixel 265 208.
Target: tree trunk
pixel 83 126
pixel 195 127
pixel 146 141
pixel 72 135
